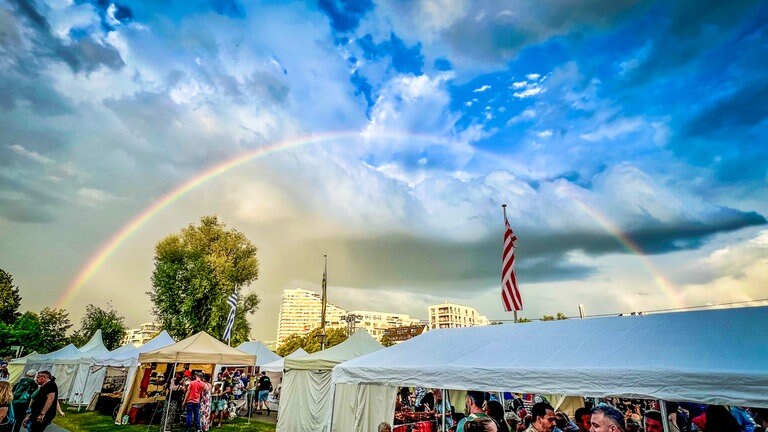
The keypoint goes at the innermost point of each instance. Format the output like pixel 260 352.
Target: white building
pixel 141 335
pixel 377 322
pixel 300 312
pixel 450 315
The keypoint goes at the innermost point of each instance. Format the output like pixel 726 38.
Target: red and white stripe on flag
pixel 510 294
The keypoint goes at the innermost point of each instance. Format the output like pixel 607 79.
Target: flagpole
pixel 325 301
pixel 504 209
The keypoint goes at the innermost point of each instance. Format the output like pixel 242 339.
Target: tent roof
pixel 69 352
pixel 263 354
pixel 712 356
pixel 358 344
pixel 277 365
pixel 128 353
pixel 95 346
pixel 23 360
pixel 198 348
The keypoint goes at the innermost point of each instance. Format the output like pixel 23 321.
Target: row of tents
pixel 711 357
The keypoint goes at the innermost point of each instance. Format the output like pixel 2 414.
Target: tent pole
pixel 664 415
pixel 333 406
pixel 168 400
pixel 444 393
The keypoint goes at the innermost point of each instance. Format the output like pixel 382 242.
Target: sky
pixel 627 138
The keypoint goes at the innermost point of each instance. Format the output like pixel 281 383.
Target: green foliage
pixel 561 316
pixel 24 332
pixel 111 323
pixel 386 341
pixel 548 318
pixel 10 299
pixel 92 421
pixel 54 325
pixel 523 320
pixel 309 341
pixel 195 272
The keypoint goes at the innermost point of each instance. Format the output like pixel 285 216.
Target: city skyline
pixel 626 138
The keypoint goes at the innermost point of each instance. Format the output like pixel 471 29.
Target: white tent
pixel 277 365
pixel 307 398
pixel 263 354
pixel 92 370
pixel 61 363
pixel 711 357
pixel 16 367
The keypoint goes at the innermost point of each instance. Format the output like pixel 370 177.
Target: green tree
pixel 10 299
pixel 111 323
pixel 523 320
pixel 561 316
pixel 195 272
pixel 548 318
pixel 24 332
pixel 386 341
pixel 54 325
pixel 309 341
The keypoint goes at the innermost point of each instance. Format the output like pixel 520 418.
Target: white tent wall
pixel 362 407
pixel 87 382
pixel 305 404
pixel 65 376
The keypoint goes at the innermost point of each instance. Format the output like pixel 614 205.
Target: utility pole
pixel 322 335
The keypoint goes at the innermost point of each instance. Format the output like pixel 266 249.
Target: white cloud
pixel 614 129
pixel 481 88
pixel 544 134
pixel 92 197
pixel 519 84
pixel 533 76
pixel 37 157
pixel 528 92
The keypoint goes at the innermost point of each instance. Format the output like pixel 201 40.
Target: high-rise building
pixel 141 335
pixel 300 312
pixel 376 322
pixel 450 315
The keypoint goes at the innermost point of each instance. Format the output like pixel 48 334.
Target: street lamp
pixel 321 337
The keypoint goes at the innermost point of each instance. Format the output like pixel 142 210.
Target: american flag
pixel 232 300
pixel 510 294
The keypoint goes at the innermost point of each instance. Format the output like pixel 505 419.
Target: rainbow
pixel 126 231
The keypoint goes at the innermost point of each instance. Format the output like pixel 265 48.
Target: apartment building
pixel 300 312
pixel 451 315
pixel 141 335
pixel 376 323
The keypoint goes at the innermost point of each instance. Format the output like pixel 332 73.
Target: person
pixel 7 417
pixel 564 423
pixel 652 420
pixel 542 418
pixel 438 395
pixel 480 425
pixel 192 402
pixel 384 427
pixel 583 419
pixel 719 419
pixel 205 405
pixel 4 374
pixel 265 386
pixel 474 404
pixel 427 403
pixel 495 410
pixel 606 418
pixel 218 402
pixel 22 394
pixel 744 418
pixel 42 408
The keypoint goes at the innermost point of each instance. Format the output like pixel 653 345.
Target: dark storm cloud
pixel 84 55
pixel 421 263
pixel 24 212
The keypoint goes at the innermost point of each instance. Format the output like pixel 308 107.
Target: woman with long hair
pixel 6 399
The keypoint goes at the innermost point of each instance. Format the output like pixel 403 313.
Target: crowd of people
pixel 484 411
pixel 32 403
pixel 204 404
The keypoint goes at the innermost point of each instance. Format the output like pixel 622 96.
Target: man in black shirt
pixel 43 405
pixel 265 386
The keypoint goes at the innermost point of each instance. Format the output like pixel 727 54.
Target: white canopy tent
pixel 263 354
pixel 711 357
pixel 277 365
pixel 306 401
pixel 16 367
pixel 92 370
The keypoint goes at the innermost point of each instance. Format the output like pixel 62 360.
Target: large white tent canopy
pixel 92 370
pixel 263 354
pixel 711 356
pixel 307 397
pixel 198 348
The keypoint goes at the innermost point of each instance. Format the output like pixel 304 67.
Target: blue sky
pixel 627 138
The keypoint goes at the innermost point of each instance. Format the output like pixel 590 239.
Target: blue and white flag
pixel 232 300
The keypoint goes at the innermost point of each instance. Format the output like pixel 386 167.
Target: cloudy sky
pixel 628 139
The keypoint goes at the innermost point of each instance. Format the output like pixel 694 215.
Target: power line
pixel 678 309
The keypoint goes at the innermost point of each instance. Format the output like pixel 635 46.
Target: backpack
pixel 22 392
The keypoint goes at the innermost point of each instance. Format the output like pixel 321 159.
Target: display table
pixel 107 403
pixel 422 426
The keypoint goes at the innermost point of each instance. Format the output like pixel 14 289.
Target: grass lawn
pixel 92 421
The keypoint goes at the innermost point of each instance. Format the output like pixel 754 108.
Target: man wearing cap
pixel 42 409
pixel 22 394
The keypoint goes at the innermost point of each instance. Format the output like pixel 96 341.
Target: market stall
pixel 722 362
pixel 197 353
